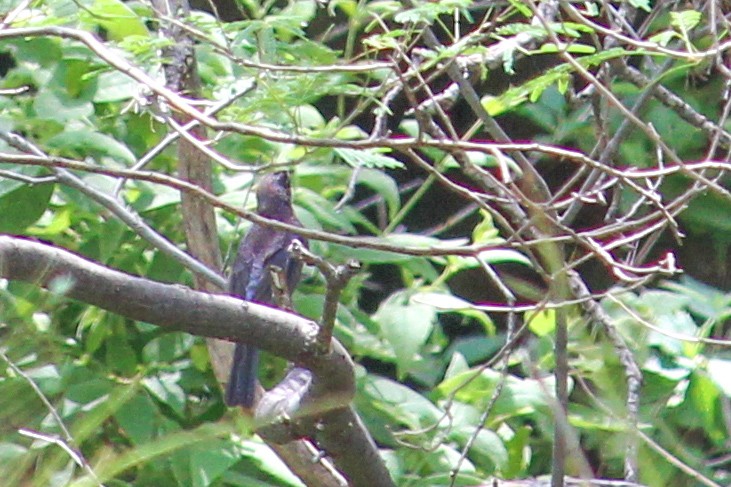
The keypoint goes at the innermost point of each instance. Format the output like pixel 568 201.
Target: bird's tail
pixel 241 386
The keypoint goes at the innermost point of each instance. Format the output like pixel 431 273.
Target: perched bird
pixel 251 275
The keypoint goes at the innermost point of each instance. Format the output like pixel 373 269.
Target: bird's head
pixel 274 195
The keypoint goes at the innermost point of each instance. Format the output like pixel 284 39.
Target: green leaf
pixel 719 370
pixel 686 20
pixel 429 11
pixel 324 210
pixel 47 377
pixel 495 105
pixel 168 347
pixel 446 302
pixel 508 59
pixel 95 327
pixel 573 48
pixel 401 404
pixel 110 237
pixel 588 418
pixel 457 365
pixel 301 11
pixel 663 38
pixel 459 479
pixel 332 180
pixel 422 241
pixel 22 207
pixel 147 198
pixel 519 451
pixel 702 300
pixel 384 185
pixel 210 459
pixel 269 463
pixel 117 19
pixel 487 448
pixel 308 117
pixel 114 86
pixel 521 7
pixel 11 453
pixel 406 325
pixel 477 349
pixel 700 409
pixel 83 392
pixel 154 460
pixel 139 420
pixel 485 231
pixel 39 51
pixel 166 388
pixel 368 158
pixel 533 89
pixel 164 268
pixel 342 253
pixel 538 31
pixel 83 142
pixel 61 107
pixel 120 356
pixel 676 322
pixel 541 323
pixel 372 256
pixel 641 4
pixel 500 256
pixel 59 222
pixel 442 301
pixel 8 185
pixel 477 158
pixel 518 397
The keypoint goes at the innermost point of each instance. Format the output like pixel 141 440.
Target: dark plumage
pixel 251 278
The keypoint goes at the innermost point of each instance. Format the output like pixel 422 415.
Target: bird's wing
pixel 261 248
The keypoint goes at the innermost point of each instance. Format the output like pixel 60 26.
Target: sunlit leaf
pixel 686 20
pixel 367 158
pixel 118 20
pixel 405 324
pixel 542 322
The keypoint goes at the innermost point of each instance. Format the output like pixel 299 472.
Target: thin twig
pixel 336 277
pixel 67 443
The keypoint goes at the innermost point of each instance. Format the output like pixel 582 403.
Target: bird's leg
pixel 280 291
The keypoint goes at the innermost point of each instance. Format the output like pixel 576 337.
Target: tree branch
pixel 176 307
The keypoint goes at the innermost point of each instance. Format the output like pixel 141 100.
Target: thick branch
pixel 177 308
pixel 214 316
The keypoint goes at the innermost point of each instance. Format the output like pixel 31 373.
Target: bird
pixel 262 248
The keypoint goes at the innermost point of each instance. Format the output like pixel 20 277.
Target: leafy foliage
pixel 143 407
